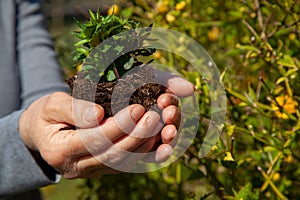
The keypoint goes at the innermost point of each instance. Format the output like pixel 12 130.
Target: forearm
pixel 40 72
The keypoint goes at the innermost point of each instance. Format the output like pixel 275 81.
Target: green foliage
pixel 256 45
pixel 100 28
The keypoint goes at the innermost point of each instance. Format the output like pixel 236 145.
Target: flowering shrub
pixel 256 45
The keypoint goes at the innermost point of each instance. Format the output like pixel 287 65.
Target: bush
pixel 256 46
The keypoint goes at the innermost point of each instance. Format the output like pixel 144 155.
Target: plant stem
pixel 116 71
pixel 278 193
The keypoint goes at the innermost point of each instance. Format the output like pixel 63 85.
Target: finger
pixel 163 152
pixel 96 167
pixel 180 87
pixel 127 118
pixel 147 126
pixel 175 85
pixel 102 137
pixel 122 160
pixel 132 143
pixel 89 167
pixel 160 155
pixel 167 99
pixel 97 139
pixel 168 133
pixel 171 115
pixel 137 155
pixel 62 108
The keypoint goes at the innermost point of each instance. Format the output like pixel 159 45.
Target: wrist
pixel 23 127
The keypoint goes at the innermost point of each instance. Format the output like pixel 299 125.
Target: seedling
pixel 93 53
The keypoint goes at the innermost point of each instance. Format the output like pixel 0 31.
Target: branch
pixel 260 18
pixel 251 29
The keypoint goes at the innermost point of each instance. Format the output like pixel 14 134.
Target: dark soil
pixel 139 87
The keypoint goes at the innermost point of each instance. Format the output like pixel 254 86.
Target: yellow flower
pixel 292 36
pixel 170 18
pixel 181 5
pixel 228 157
pixel 287 103
pixel 289 159
pixel 113 10
pixel 215 147
pixel 276 176
pixel 162 7
pixel 78 67
pixel 213 34
pixel 157 55
pixel 242 9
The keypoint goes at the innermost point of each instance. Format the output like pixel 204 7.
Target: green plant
pixel 256 45
pixel 99 29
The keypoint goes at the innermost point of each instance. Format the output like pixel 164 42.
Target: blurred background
pixel 256 46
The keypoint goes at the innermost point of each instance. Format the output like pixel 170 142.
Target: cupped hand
pixel 98 146
pixel 176 87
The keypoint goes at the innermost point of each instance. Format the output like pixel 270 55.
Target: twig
pixel 251 29
pixel 278 193
pixel 259 16
pixel 271 92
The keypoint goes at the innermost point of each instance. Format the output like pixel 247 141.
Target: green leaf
pixel 119 37
pixel 287 61
pixel 79 35
pixel 251 92
pixel 291 71
pixel 87 67
pixel 79 57
pixel 247 47
pixel 119 49
pixel 106 48
pixel 89 31
pixel 83 51
pixel 129 64
pixel 92 15
pixel 127 12
pixel 81 42
pixel 110 75
pixel 246 193
pixel 280 80
pixel 229 129
pixel 101 74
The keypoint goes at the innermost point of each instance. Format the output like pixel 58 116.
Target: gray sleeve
pixel 18 169
pixel 39 75
pixel 39 71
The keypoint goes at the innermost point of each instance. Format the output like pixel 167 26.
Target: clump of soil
pixel 139 87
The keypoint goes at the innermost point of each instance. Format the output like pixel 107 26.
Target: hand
pixel 176 87
pixel 174 84
pixel 42 129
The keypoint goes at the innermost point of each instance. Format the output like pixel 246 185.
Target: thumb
pixel 66 109
pixel 175 84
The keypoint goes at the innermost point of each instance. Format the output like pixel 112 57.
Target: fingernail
pixel 171 133
pixel 137 112
pixel 151 119
pixel 167 150
pixel 163 154
pixel 92 113
pixel 171 115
